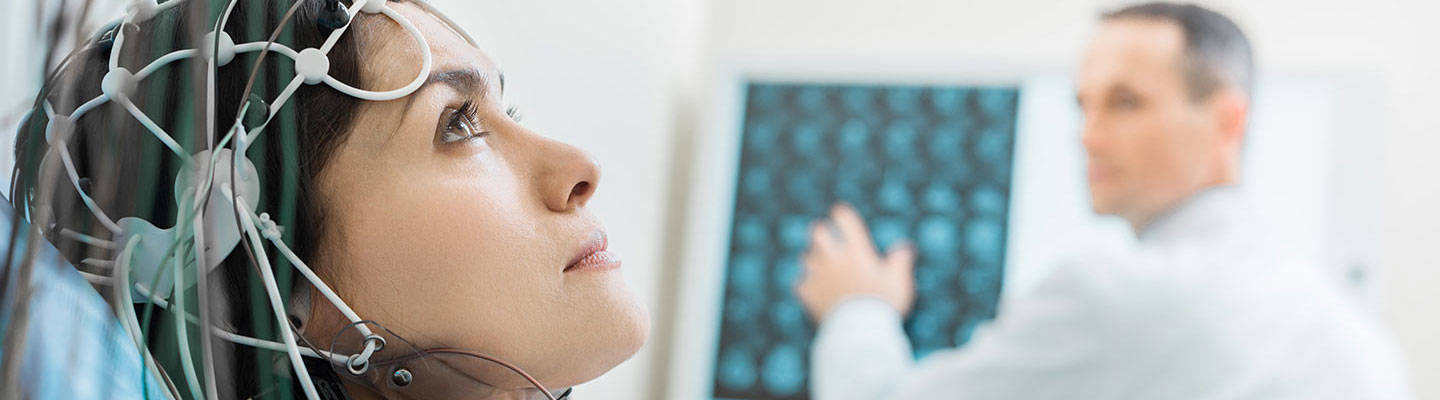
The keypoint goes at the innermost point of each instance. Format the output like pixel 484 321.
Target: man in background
pixel 1204 308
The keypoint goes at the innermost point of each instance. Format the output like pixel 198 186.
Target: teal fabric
pixel 75 348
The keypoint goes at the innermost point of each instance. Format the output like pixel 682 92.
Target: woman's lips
pixel 593 255
pixel 601 260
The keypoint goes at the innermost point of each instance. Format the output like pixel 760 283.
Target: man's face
pixel 1149 144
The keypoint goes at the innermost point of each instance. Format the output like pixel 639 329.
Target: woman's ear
pixel 301 307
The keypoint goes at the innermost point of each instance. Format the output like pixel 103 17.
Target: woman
pixel 449 244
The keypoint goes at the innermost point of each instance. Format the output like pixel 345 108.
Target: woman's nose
pixel 570 177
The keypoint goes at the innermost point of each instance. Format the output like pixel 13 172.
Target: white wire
pixel 250 219
pixel 314 279
pixel 84 197
pixel 228 336
pixel 324 289
pixel 75 181
pixel 165 60
pixel 96 279
pixel 89 105
pixel 154 129
pixel 276 304
pixel 167 5
pixel 118 43
pixel 87 239
pixel 451 23
pixel 202 268
pixel 397 93
pixel 274 47
pixel 98 263
pixel 127 312
pixel 274 110
pixel 182 335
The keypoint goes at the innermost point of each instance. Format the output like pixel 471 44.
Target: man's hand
pixel 844 264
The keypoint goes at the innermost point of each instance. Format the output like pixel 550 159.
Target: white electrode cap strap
pixel 221 232
pixel 147 258
pixel 60 127
pixel 224 53
pixel 118 83
pixel 142 10
pixel 373 6
pixel 312 64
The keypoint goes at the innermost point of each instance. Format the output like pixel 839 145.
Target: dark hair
pixel 130 174
pixel 1216 50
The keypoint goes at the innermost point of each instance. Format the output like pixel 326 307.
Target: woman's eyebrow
pixel 468 81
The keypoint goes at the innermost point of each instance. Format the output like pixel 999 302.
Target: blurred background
pixel 1344 140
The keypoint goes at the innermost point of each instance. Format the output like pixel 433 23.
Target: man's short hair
pixel 1216 51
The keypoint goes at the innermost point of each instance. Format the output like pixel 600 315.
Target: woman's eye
pixel 460 124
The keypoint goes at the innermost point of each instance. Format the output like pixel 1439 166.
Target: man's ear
pixel 1231 109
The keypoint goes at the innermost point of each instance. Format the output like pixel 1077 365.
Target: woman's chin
pixel 607 343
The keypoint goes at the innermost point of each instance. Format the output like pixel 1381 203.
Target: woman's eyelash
pixel 463 123
pixel 469 110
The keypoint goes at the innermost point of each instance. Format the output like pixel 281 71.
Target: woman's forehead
pixel 395 55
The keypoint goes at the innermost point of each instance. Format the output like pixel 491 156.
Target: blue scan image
pixel 894 196
pixel 784 370
pixel 766 96
pixel 757 182
pixel 966 330
pixel 928 326
pixel 987 201
pixel 888 231
pixel 787 272
pixel 806 139
pixel 938 235
pixel 980 283
pixel 940 198
pixel 741 309
pixel 762 136
pixel 751 232
pixel 948 100
pixel 790 317
pixel 858 100
pixel 993 148
pixel 795 231
pixel 900 140
pixel 737 369
pixel 852 191
pixel 928 164
pixel 984 239
pixel 997 103
pixel 811 100
pixel 804 189
pixel 933 276
pixel 903 100
pixel 748 271
pixel 854 137
pixel 946 143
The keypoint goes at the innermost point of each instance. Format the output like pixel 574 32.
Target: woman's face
pixel 454 226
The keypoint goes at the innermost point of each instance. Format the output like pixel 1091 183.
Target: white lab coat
pixel 1202 310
